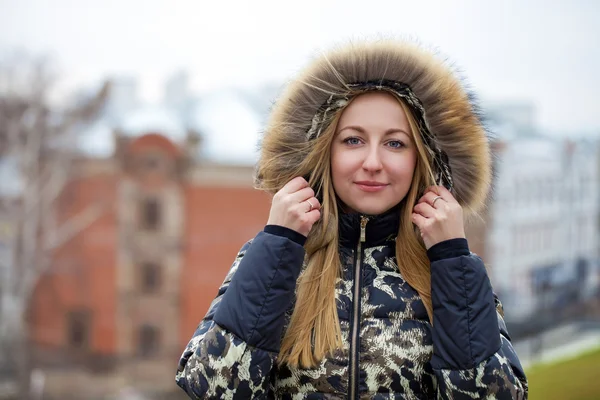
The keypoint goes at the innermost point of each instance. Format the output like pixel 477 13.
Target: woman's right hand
pixel 295 207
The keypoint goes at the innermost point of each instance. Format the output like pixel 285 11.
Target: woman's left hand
pixel 438 219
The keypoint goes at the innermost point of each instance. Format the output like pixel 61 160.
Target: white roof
pixel 230 127
pixel 153 118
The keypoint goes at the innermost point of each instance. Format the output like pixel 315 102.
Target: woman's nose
pixel 372 161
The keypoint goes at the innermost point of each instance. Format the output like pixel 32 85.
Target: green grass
pixel 575 379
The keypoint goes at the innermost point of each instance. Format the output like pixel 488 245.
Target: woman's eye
pixel 352 140
pixel 396 144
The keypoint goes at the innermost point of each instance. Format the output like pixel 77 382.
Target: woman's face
pixel 373 156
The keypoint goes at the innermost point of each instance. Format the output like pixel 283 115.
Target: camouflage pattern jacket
pixel 391 350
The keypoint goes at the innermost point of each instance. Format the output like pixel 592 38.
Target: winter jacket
pixel 391 350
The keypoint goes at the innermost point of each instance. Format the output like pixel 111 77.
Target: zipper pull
pixel 363 226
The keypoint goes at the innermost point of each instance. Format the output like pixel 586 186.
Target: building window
pixel 150 213
pixel 151 162
pixel 151 276
pixel 148 341
pixel 78 329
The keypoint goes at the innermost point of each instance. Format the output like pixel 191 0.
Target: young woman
pixel 361 284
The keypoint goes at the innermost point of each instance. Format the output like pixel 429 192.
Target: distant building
pixel 540 235
pixel 582 211
pixel 124 297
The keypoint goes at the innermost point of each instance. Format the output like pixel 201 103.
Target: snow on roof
pixel 230 127
pixel 153 118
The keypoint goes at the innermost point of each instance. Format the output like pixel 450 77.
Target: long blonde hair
pixel 314 329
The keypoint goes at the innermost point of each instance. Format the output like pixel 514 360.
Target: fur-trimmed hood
pixel 449 111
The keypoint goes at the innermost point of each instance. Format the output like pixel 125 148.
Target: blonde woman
pixel 362 284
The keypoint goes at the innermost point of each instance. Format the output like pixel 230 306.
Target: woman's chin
pixel 372 209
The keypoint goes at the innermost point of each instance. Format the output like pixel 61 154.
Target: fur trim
pixel 451 113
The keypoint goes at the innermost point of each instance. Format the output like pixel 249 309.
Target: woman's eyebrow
pixel 357 128
pixel 360 129
pixel 396 130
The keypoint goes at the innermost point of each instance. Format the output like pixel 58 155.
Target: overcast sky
pixel 542 51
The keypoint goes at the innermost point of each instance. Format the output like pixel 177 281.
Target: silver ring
pixel 311 205
pixel 434 200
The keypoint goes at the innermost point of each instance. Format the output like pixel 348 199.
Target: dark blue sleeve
pixel 465 326
pixel 448 249
pixel 473 357
pixel 286 232
pixel 261 291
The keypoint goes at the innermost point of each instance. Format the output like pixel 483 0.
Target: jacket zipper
pixel 356 305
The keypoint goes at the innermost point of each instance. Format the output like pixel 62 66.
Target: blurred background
pixel 128 134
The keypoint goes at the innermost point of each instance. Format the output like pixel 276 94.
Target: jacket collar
pixel 380 229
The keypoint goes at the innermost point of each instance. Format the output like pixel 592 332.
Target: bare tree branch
pixel 74 226
pixel 39 138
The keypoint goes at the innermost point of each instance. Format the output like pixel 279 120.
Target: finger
pixel 309 220
pixel 445 193
pixel 301 195
pixel 295 185
pixel 314 202
pixel 422 198
pixel 309 205
pixel 419 220
pixel 429 198
pixel 440 190
pixel 430 192
pixel 425 209
pixel 313 216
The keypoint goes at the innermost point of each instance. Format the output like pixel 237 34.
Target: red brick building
pixel 125 295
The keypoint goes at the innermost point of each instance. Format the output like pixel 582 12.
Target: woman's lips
pixel 371 186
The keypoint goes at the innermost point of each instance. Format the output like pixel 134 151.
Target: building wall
pixel 205 214
pixel 583 182
pixel 83 273
pixel 542 218
pixel 219 221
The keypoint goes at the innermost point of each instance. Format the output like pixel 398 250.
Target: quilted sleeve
pixel 234 348
pixel 473 357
